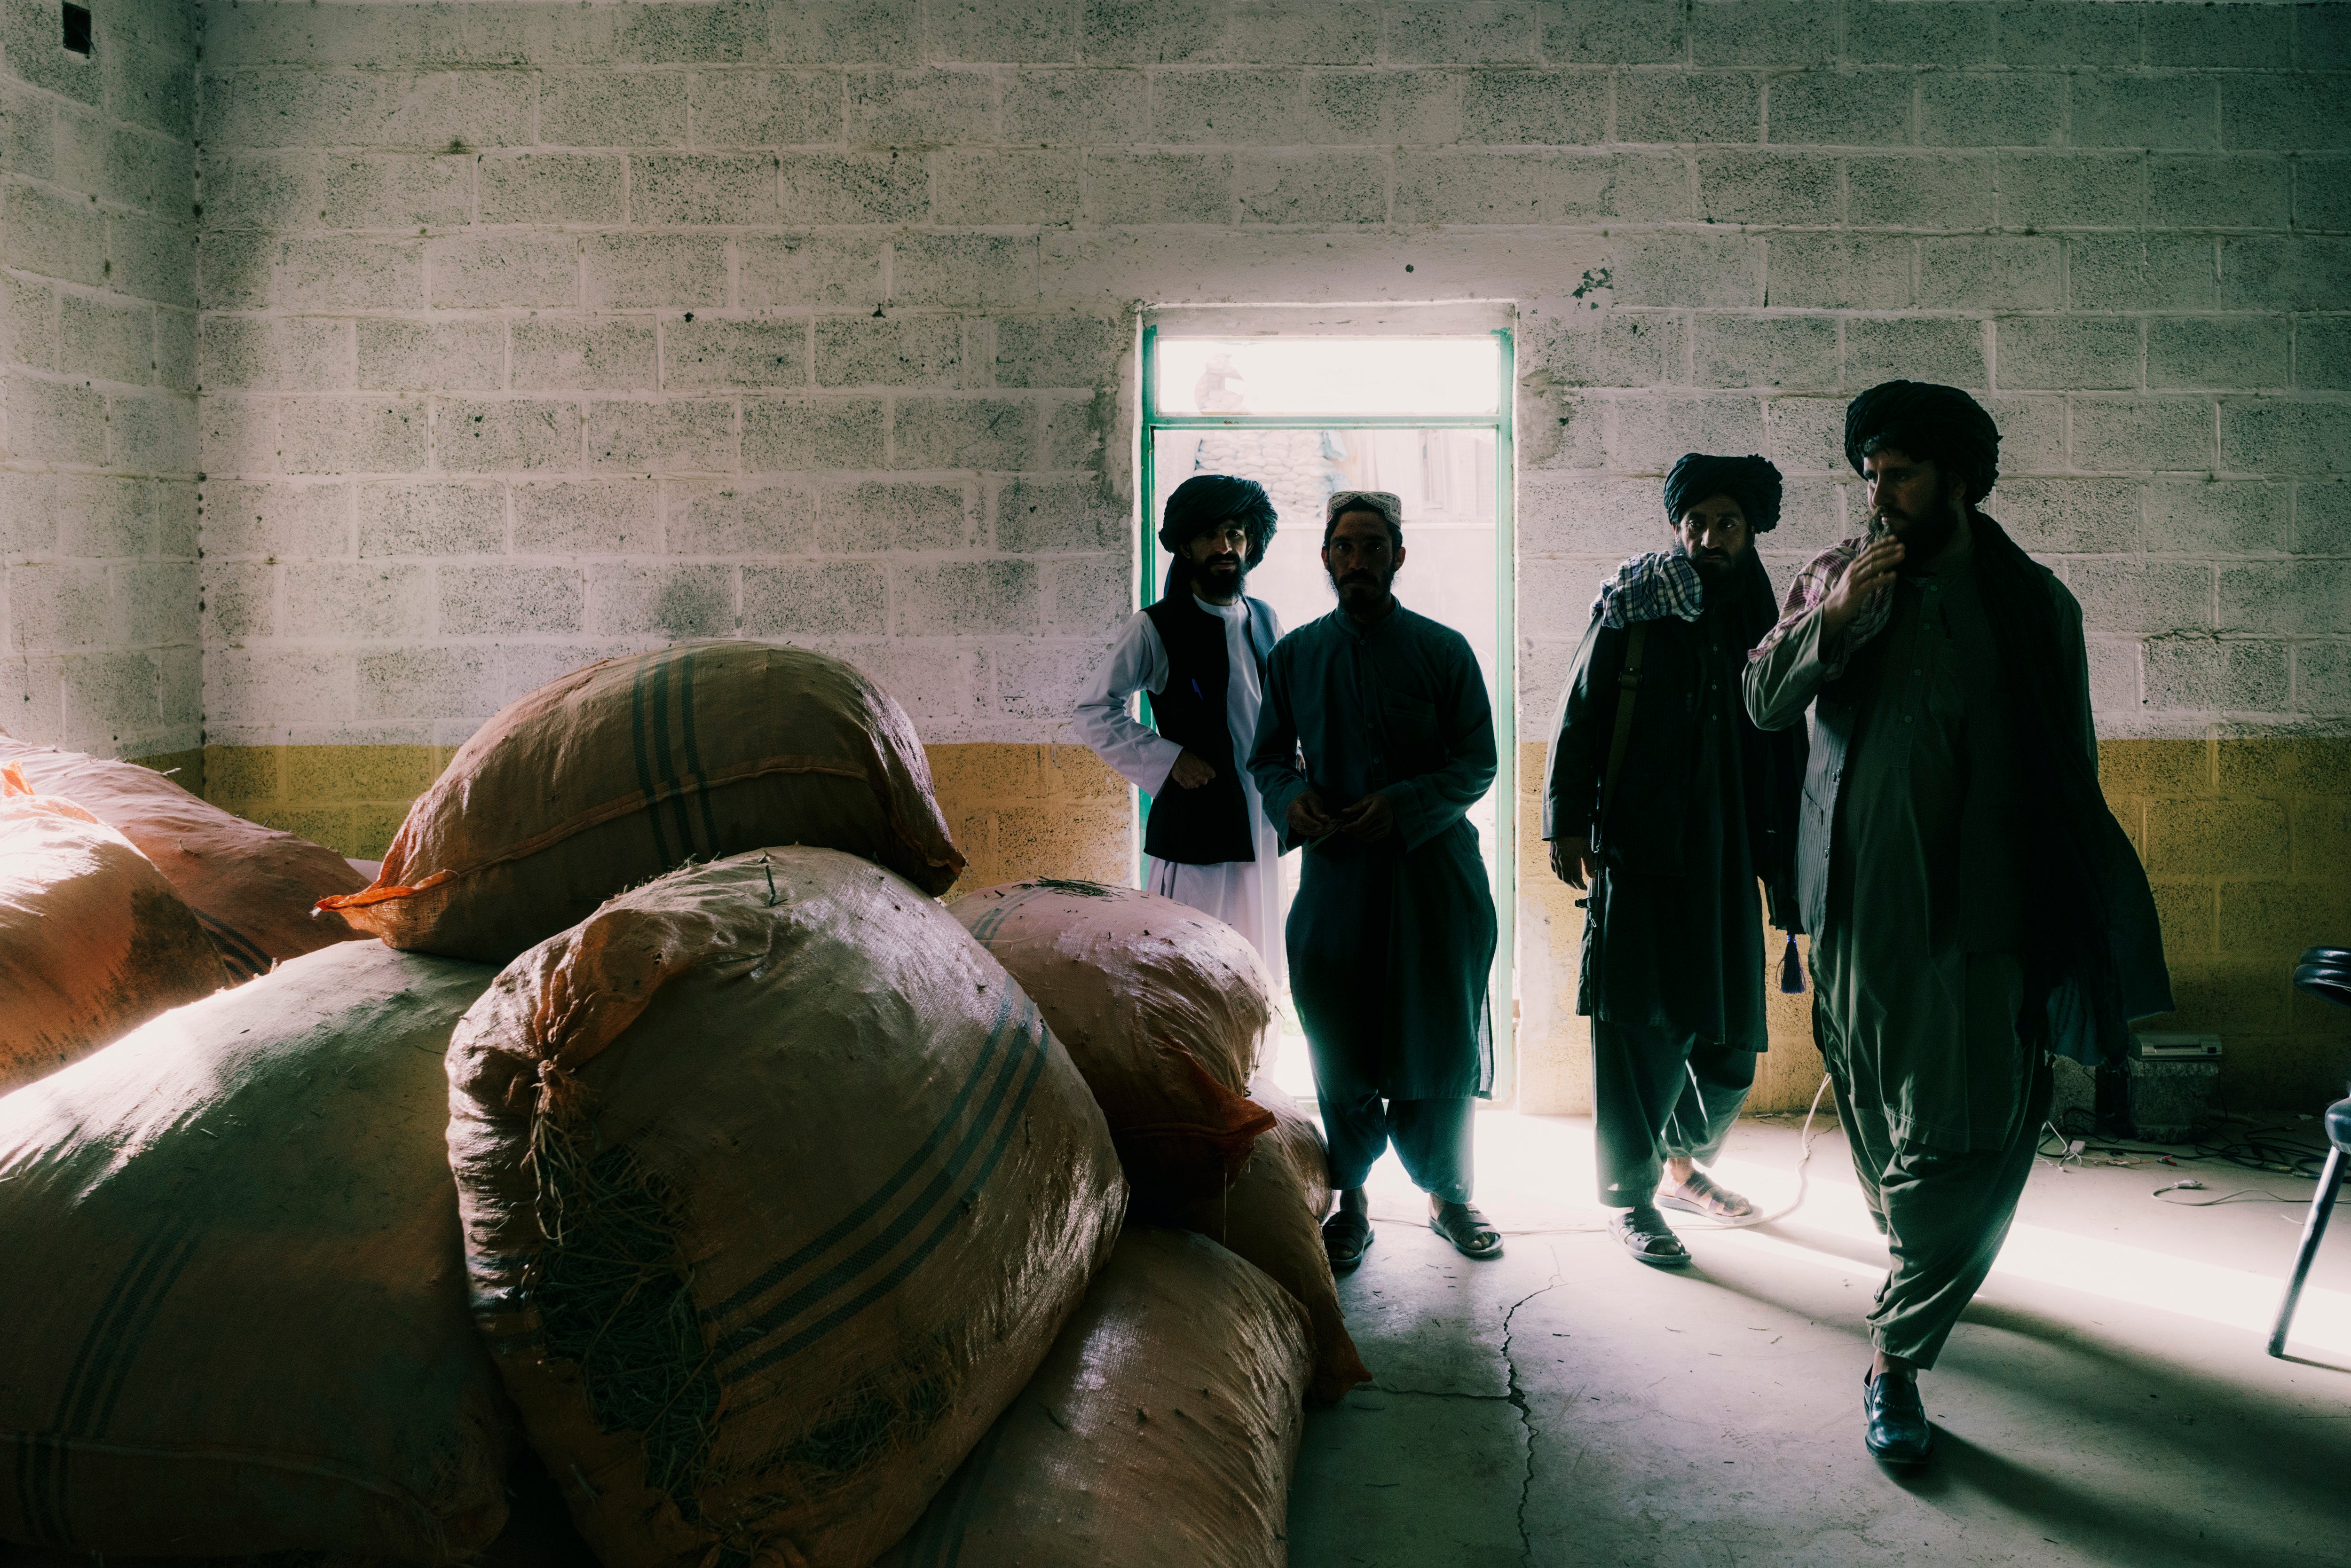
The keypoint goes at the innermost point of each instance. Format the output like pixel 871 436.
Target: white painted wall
pixel 97 330
pixel 458 431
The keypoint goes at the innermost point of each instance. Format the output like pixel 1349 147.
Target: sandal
pixel 1710 1199
pixel 1466 1228
pixel 1345 1239
pixel 1644 1233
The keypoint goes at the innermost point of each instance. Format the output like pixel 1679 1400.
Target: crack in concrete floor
pixel 1518 1398
pixel 1666 1421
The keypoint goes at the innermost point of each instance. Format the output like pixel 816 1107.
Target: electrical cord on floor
pixel 2259 1149
pixel 2242 1194
pixel 1804 1180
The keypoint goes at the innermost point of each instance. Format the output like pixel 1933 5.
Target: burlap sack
pixel 93 941
pixel 251 887
pixel 775 1190
pixel 234 1290
pixel 623 770
pixel 1273 1217
pixel 1159 1434
pixel 1164 1009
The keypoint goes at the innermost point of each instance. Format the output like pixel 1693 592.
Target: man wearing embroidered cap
pixel 1376 740
pixel 1200 652
pixel 1973 904
pixel 1670 804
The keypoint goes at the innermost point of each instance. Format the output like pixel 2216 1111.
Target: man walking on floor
pixel 1201 653
pixel 1973 904
pixel 1376 740
pixel 1667 798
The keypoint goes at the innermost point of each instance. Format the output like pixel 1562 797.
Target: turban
pixel 1204 500
pixel 1750 481
pixel 1386 503
pixel 1943 426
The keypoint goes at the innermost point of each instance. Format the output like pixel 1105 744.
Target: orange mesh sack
pixel 629 769
pixel 93 941
pixel 250 887
pixel 776 1191
pixel 1159 1434
pixel 1273 1218
pixel 234 1290
pixel 1164 1009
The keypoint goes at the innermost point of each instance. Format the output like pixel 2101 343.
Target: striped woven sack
pixel 631 767
pixel 250 887
pixel 1165 1009
pixel 93 941
pixel 233 1290
pixel 1159 1434
pixel 1273 1218
pixel 775 1190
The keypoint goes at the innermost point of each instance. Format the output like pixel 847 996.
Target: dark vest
pixel 1210 825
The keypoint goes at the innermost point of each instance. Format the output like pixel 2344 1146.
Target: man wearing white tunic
pixel 1201 653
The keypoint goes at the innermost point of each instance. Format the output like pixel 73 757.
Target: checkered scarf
pixel 1650 588
pixel 1811 585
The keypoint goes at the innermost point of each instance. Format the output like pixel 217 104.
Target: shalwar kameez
pixel 1391 943
pixel 1973 904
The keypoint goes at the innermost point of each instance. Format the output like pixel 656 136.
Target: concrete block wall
pixel 98 332
pixel 533 332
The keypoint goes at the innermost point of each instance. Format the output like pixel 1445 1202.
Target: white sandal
pixel 1714 1202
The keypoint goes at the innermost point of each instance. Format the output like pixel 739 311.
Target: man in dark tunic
pixel 1972 902
pixel 1375 739
pixel 1702 804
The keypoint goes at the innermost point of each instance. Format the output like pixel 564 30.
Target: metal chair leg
pixel 2314 1231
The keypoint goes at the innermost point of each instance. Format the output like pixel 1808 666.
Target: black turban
pixel 1204 500
pixel 1750 481
pixel 1942 425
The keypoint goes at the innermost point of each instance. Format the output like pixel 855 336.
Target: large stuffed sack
pixel 93 941
pixel 1273 1218
pixel 251 887
pixel 629 769
pixel 1165 1009
pixel 234 1291
pixel 776 1191
pixel 1159 1434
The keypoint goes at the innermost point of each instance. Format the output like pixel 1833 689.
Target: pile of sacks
pixel 673 1147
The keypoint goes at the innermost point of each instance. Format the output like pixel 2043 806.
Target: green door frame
pixel 1506 776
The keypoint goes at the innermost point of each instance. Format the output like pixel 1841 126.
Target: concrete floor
pixel 2107 1399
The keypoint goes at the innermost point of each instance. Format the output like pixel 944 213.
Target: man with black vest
pixel 1201 653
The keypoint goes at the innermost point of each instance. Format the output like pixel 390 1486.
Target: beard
pixel 1923 537
pixel 1218 576
pixel 1714 564
pixel 1224 573
pixel 1361 588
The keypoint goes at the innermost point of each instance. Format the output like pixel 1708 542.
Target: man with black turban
pixel 1667 800
pixel 1201 653
pixel 1973 904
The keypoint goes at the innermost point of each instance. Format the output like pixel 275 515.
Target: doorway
pixel 1427 415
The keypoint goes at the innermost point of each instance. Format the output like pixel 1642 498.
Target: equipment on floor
pixel 2169 1079
pixel 2326 973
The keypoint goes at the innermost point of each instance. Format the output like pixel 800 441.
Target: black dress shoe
pixel 1896 1432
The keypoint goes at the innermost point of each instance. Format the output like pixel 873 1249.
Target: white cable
pixel 2242 1194
pixel 1804 1177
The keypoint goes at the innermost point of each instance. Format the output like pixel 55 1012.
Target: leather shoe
pixel 1896 1429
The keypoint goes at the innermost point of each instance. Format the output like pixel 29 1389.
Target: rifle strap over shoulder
pixel 1629 687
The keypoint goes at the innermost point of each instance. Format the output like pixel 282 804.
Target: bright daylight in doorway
pixel 1423 418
